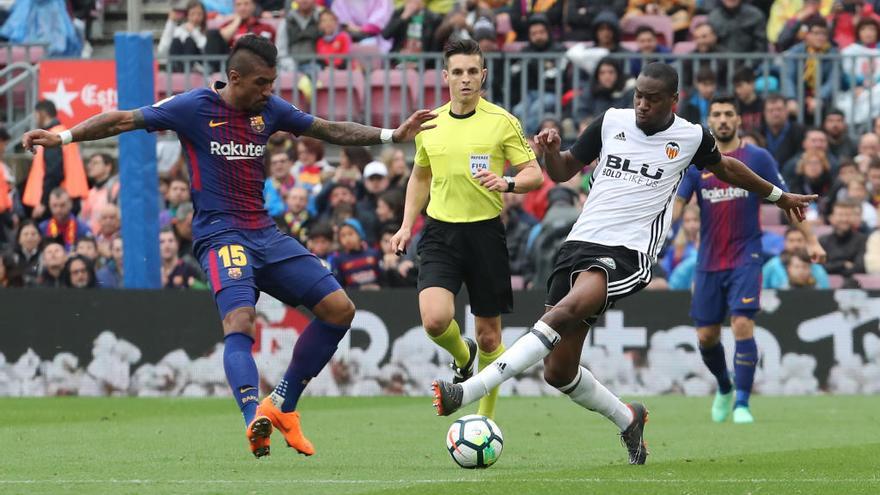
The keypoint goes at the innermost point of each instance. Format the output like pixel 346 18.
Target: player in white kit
pixel 642 153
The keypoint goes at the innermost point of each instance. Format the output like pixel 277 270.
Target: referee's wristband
pixel 66 137
pixel 774 195
pixel 386 136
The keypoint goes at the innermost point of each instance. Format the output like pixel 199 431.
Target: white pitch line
pixel 437 481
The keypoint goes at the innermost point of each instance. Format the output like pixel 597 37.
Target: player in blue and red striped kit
pixel 728 275
pixel 224 130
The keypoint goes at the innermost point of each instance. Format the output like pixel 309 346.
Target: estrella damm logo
pixel 672 150
pixel 257 124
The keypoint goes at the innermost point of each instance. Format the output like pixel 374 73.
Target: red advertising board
pixel 79 88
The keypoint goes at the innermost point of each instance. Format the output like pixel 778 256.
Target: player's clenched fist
pixel 40 137
pixel 548 140
pixel 400 240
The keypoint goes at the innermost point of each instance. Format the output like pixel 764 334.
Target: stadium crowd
pixel 61 224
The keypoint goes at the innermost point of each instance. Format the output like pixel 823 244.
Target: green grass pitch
pixel 799 445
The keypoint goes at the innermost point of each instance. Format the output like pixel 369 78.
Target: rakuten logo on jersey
pixel 721 194
pixel 238 151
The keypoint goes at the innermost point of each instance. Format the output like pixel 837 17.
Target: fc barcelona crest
pixel 234 273
pixel 672 150
pixel 258 125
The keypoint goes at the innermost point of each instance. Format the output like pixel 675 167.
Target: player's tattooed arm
pixel 344 133
pixel 108 124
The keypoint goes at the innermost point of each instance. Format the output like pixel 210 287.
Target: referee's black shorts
pixel 474 253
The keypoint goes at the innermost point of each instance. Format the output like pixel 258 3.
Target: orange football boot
pixel 258 433
pixel 288 425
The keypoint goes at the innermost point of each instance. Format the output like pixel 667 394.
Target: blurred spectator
pixel 686 240
pixel 740 27
pixel 562 211
pixel 648 45
pixel 8 217
pixel 26 252
pixel 178 193
pixel 678 11
pixel 104 190
pixel 183 230
pixel 812 175
pixel 792 29
pixel 375 183
pixel 682 277
pixel 706 42
pixel 517 226
pixel 869 149
pixel 751 106
pixel 610 87
pixel 803 73
pixel 775 275
pixel 522 11
pixel 51 265
pixel 857 191
pixel 244 21
pixel 310 166
pixel 872 252
pixel 355 265
pixel 53 167
pixel 9 275
pixel 298 34
pixel 364 20
pixel 111 222
pixel 461 20
pixel 281 142
pixel 88 248
pixel 783 136
pixel 863 71
pixel 398 170
pixel 110 276
pixel 815 141
pixel 176 273
pixel 411 28
pixel 279 182
pixel 531 106
pixel 352 161
pixel 43 21
pixel 389 207
pixel 580 15
pixel 340 204
pixel 696 108
pixel 320 242
pixel 78 273
pixel 845 173
pixel 333 41
pixel 296 220
pixel 874 181
pixel 394 270
pixel 845 16
pixel 844 245
pixel 840 144
pixel 62 225
pixel 184 33
pixel 797 269
pixel 485 36
pixel 606 32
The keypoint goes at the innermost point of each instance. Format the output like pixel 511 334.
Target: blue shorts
pixel 715 293
pixel 242 263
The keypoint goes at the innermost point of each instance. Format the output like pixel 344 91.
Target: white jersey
pixel 636 178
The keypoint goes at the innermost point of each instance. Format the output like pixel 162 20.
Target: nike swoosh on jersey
pixel 747 300
pixel 211 123
pixel 242 390
pixel 706 175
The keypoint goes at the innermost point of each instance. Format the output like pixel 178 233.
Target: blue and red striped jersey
pixel 730 225
pixel 224 149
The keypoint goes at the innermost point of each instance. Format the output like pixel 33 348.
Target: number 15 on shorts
pixel 232 255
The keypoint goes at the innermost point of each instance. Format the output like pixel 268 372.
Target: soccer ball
pixel 474 441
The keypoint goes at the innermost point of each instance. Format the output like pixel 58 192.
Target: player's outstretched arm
pixel 561 165
pixel 354 134
pixel 734 172
pixel 98 127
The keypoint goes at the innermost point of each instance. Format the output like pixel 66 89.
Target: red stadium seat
pixel 868 281
pixel 337 84
pixel 514 46
pixel 770 215
pixel 661 24
pixel 179 82
pixel 835 281
pixel 435 89
pixel 821 230
pixel 684 47
pixel 288 89
pixel 368 56
pixel 399 95
pixel 30 54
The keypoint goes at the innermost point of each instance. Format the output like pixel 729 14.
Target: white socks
pixel 586 391
pixel 526 351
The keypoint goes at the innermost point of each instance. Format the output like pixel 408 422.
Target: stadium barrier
pixel 157 343
pixel 380 88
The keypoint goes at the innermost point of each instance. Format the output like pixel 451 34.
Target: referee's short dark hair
pixel 662 72
pixel 255 46
pixel 723 99
pixel 460 46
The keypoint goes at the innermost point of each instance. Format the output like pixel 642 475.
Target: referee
pixel 461 164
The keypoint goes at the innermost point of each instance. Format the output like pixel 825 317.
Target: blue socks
pixel 241 373
pixel 744 362
pixel 714 359
pixel 314 348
